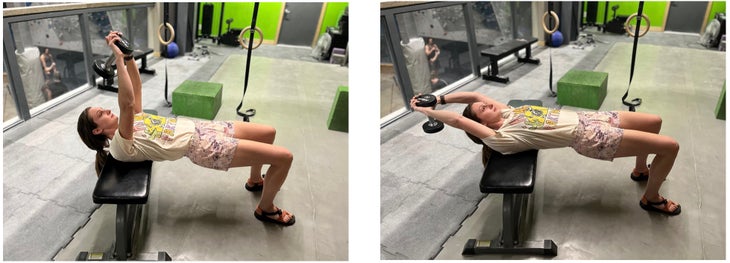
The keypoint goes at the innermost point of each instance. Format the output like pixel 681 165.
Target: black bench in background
pixel 513 176
pixel 108 84
pixel 127 185
pixel 498 52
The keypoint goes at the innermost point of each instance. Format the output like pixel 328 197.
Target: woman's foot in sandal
pixel 663 206
pixel 254 186
pixel 640 176
pixel 280 217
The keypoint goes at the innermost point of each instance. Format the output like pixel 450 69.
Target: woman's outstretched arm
pixel 469 97
pixel 455 120
pixel 125 96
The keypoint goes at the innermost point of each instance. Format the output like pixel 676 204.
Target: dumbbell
pixel 106 69
pixel 432 125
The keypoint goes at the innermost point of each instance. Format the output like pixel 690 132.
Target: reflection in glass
pixel 9 109
pixel 435 46
pixel 391 98
pixel 138 34
pixel 50 57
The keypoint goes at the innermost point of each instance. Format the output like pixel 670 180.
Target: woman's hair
pixel 486 151
pixel 98 142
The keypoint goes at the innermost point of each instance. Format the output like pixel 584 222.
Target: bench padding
pixel 514 173
pixel 123 182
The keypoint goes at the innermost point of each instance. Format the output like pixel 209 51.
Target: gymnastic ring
pixel 244 44
pixel 172 35
pixel 626 25
pixel 557 22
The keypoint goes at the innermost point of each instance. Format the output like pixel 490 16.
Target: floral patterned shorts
pixel 213 145
pixel 598 135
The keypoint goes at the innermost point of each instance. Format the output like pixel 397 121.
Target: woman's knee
pixel 284 156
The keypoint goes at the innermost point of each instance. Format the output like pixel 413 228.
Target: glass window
pixel 9 109
pixel 50 57
pixel 138 34
pixel 434 43
pixel 496 23
pixel 100 24
pixel 391 97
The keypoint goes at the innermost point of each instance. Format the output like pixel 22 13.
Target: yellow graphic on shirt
pixel 155 127
pixel 536 117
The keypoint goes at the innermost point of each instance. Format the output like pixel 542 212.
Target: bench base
pixel 101 256
pixel 546 247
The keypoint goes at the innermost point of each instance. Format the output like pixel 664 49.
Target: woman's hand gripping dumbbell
pixel 123 47
pixel 423 103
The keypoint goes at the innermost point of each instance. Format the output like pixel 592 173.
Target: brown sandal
pixel 254 187
pixel 651 206
pixel 262 215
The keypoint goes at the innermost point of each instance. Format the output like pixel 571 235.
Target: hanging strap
pixel 550 50
pixel 637 101
pixel 250 112
pixel 169 104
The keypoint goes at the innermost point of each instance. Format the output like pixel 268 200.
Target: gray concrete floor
pixel 193 213
pixel 430 200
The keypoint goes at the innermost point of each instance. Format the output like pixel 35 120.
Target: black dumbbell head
pixel 426 100
pixel 102 69
pixel 433 126
pixel 124 45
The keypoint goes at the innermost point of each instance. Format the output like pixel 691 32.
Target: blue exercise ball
pixel 172 50
pixel 557 39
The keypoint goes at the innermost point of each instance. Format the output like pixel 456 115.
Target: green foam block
pixel 585 89
pixel 338 119
pixel 197 99
pixel 720 108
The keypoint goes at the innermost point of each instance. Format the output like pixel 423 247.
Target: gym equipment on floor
pixel 581 88
pixel 513 176
pixel 126 185
pixel 498 52
pixel 432 125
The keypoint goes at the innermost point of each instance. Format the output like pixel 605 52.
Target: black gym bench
pixel 513 176
pixel 498 52
pixel 108 84
pixel 127 185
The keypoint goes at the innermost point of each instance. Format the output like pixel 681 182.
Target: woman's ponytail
pixel 98 142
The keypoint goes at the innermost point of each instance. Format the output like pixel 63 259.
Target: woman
pixel 432 53
pixel 599 135
pixel 48 64
pixel 137 136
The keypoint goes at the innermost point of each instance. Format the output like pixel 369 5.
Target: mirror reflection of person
pixel 48 64
pixel 432 53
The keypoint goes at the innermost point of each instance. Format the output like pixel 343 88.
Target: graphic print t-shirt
pixel 155 138
pixel 533 127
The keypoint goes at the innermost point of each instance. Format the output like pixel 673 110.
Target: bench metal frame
pixel 499 52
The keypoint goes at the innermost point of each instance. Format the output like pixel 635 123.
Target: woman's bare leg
pixel 253 153
pixel 642 122
pixel 254 132
pixel 639 143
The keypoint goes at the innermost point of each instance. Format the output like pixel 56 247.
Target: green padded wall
pixel 720 108
pixel 197 99
pixel 338 119
pixel 585 89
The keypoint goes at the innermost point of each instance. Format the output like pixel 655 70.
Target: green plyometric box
pixel 720 108
pixel 338 119
pixel 585 89
pixel 197 99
